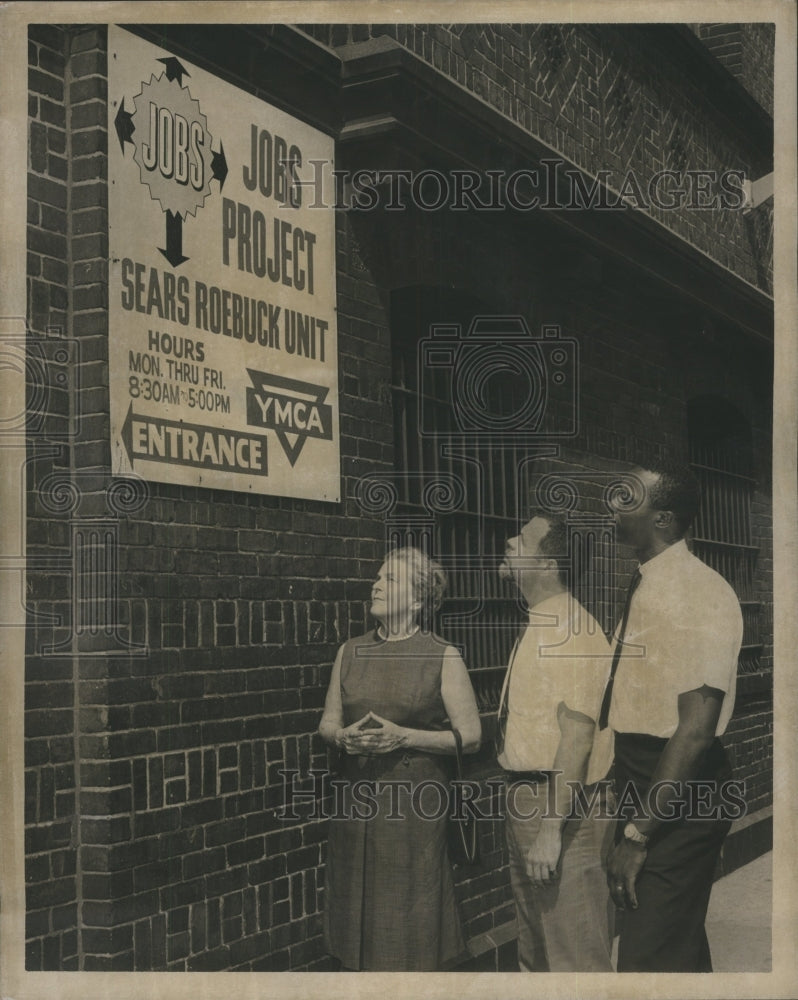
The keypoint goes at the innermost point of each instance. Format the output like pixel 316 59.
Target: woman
pixel 395 695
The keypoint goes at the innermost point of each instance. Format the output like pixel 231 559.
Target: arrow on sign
pixel 219 165
pixel 127 434
pixel 156 439
pixel 174 69
pixel 124 126
pixel 174 239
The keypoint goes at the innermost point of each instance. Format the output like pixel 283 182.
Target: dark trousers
pixel 666 932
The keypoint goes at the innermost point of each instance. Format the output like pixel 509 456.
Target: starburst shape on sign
pixel 163 92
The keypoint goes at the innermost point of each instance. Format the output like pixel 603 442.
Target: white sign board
pixel 222 326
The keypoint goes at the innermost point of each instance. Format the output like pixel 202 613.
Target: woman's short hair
pixel 427 577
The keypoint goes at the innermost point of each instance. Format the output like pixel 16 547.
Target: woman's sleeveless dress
pixel 390 902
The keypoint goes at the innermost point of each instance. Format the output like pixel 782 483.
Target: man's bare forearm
pixel 698 715
pixel 678 763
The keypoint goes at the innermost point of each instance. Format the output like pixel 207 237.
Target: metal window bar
pixel 461 537
pixel 722 534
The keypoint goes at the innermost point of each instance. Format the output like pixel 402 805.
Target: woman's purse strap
pixel 458 752
pixel 463 837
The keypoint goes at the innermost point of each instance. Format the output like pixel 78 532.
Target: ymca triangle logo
pixel 294 410
pixel 292 444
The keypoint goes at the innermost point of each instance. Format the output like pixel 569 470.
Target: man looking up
pixel 552 694
pixel 670 698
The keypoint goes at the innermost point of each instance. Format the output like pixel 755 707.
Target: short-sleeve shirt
pixel 563 656
pixel 684 631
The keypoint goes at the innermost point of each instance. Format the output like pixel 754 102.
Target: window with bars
pixel 721 455
pixel 468 490
pixel 461 493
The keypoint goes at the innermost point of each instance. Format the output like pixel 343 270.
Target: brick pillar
pixel 52 890
pixel 77 808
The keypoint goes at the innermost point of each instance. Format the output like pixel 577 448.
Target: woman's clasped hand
pixel 371 735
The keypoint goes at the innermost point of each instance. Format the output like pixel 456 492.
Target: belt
pixel 535 776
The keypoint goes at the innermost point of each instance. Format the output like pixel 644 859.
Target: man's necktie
pixel 604 715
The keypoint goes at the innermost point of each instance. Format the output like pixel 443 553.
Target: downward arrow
pixel 174 239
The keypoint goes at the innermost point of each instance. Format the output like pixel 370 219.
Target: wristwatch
pixel 631 832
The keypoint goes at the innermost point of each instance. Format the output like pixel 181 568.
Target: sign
pixel 223 343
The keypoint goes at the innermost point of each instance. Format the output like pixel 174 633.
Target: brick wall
pixel 747 52
pixel 156 733
pixel 50 758
pixel 750 742
pixel 604 99
pixel 152 781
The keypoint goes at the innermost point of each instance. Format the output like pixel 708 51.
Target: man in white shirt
pixel 671 697
pixel 552 695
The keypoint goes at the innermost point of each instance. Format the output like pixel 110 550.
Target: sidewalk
pixel 738 926
pixel 739 918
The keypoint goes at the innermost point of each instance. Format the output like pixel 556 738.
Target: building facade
pixel 560 200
